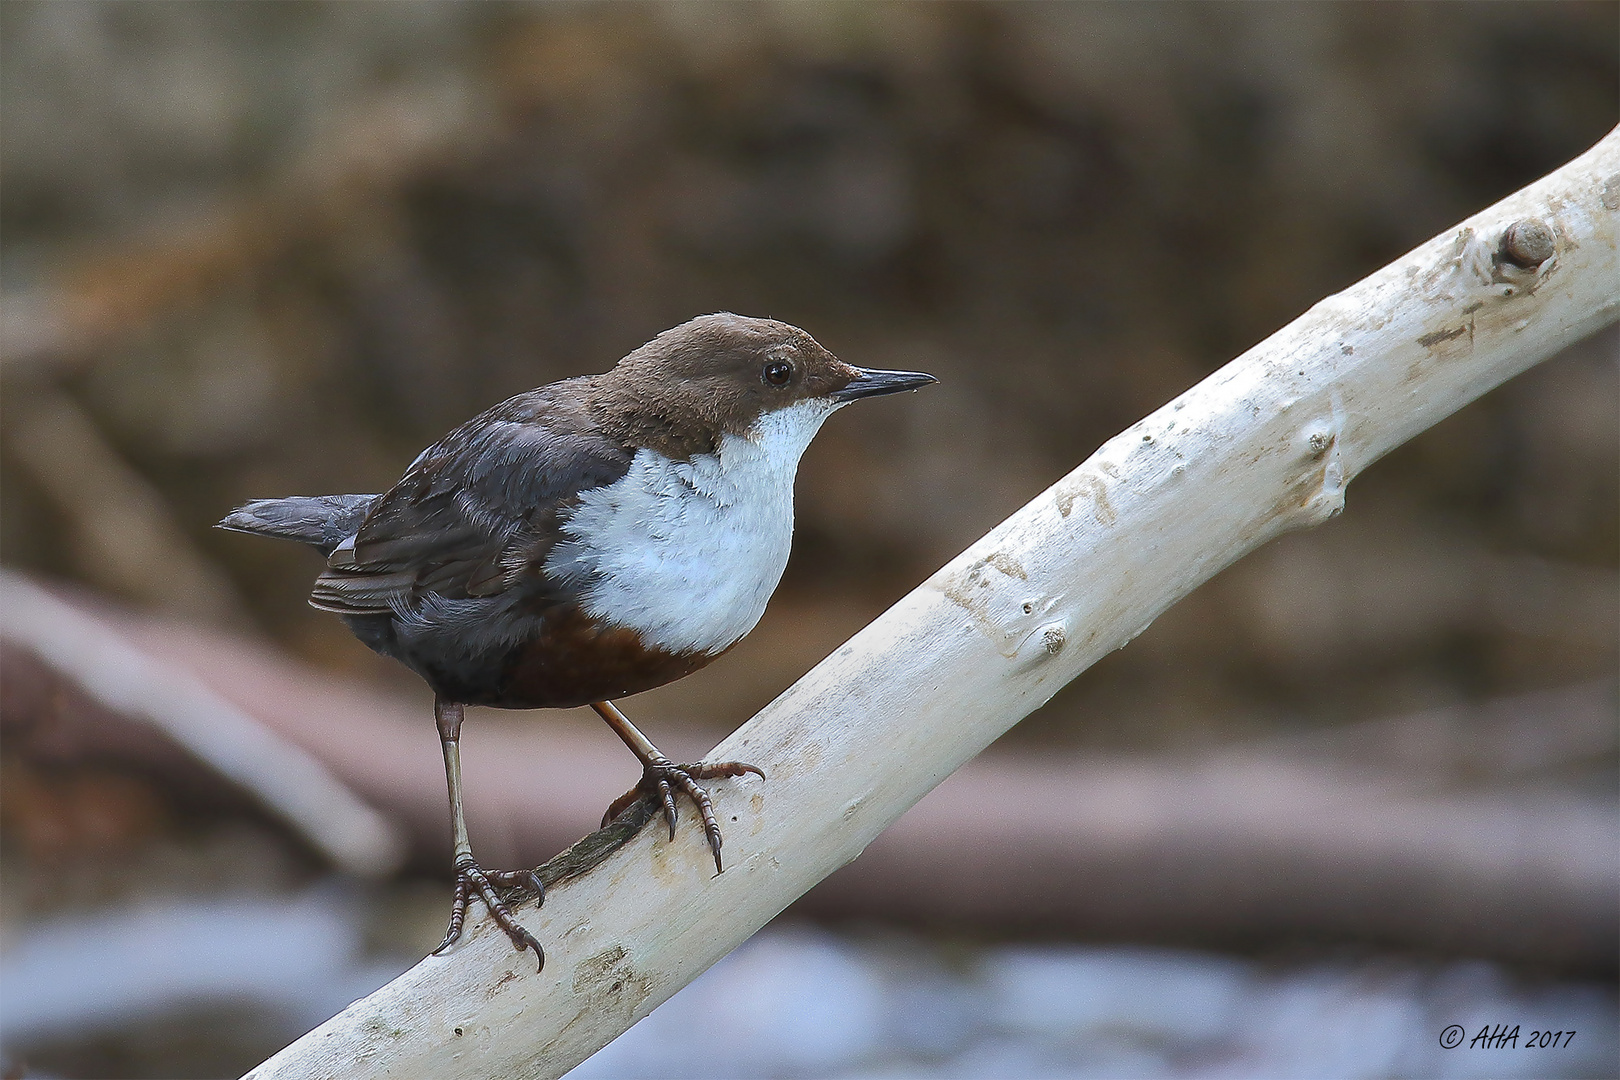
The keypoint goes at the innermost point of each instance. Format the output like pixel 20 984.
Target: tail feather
pixel 322 521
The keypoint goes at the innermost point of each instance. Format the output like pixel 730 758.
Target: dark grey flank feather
pixel 471 521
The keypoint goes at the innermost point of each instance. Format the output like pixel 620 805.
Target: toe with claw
pixel 473 880
pixel 663 778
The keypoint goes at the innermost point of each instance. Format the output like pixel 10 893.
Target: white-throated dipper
pixel 585 541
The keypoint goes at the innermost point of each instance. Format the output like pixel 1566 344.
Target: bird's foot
pixel 662 778
pixel 473 880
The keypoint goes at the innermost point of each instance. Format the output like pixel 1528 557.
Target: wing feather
pixel 477 512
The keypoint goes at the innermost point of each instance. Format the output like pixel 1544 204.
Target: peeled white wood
pixel 1264 445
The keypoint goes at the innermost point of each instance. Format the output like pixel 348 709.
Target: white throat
pixel 687 553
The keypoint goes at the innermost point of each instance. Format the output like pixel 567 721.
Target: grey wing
pixel 474 515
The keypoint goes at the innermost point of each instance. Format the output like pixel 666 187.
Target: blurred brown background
pixel 264 249
pixel 299 242
pixel 274 249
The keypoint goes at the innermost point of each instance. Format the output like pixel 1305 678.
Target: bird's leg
pixel 662 777
pixel 471 879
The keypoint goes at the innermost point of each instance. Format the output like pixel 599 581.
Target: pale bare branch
pixel 1266 444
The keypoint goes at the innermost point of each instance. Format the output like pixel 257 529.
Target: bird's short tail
pixel 322 521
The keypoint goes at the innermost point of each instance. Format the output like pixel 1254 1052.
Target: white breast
pixel 687 553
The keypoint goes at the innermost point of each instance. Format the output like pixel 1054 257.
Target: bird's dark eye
pixel 778 372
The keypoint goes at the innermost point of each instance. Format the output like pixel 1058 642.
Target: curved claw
pixel 458 912
pixel 667 793
pixel 661 778
pixel 712 769
pixel 525 940
pixel 714 846
pixel 470 879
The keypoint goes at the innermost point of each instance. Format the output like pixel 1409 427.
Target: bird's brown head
pixel 726 374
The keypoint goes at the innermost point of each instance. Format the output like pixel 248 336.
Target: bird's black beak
pixel 870 383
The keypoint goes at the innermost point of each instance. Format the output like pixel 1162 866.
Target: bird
pixel 583 542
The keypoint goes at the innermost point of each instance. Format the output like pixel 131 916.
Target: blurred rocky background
pixel 263 249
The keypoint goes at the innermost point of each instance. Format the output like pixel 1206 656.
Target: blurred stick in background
pixel 116 674
pixel 125 535
pixel 1434 832
pixel 1265 445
